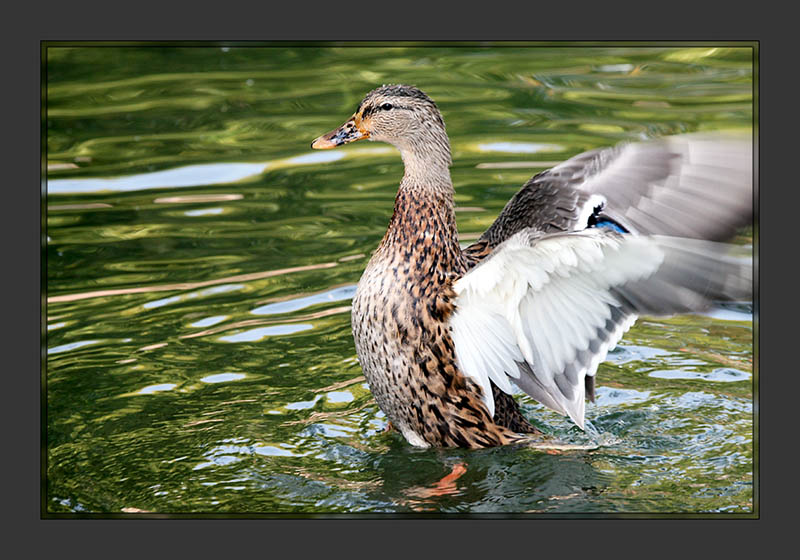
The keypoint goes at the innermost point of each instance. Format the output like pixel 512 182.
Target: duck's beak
pixel 350 131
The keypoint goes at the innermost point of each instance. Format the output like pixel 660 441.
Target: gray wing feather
pixel 692 185
pixel 693 275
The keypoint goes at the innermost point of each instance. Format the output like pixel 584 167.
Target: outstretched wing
pixel 544 309
pixel 691 185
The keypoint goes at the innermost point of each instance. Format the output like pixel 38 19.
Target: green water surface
pixel 201 258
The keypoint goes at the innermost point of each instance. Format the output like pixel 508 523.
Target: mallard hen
pixel 441 332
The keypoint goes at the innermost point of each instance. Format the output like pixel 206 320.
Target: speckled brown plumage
pixel 399 317
pixel 507 413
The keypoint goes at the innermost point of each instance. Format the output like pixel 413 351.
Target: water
pixel 201 260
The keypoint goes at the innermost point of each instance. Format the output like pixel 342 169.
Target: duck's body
pixel 400 318
pixel 438 329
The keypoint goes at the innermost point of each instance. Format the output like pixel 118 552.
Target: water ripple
pixel 254 335
pixel 289 305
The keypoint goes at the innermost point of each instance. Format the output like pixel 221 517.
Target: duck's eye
pixel 386 106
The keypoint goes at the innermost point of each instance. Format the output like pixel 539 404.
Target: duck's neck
pixel 424 210
pixel 423 223
pixel 426 158
pixel 424 213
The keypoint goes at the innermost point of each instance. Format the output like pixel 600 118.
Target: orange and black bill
pixel 348 132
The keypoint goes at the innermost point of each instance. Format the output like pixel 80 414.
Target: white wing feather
pixel 546 308
pixel 542 301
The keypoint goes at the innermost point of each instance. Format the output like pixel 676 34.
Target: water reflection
pixel 188 285
pixel 518 147
pixel 222 377
pixel 725 375
pixel 209 321
pixel 296 304
pixel 71 346
pixel 190 176
pixel 156 388
pixel 255 335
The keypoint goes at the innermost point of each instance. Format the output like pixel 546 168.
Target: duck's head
pixel 397 114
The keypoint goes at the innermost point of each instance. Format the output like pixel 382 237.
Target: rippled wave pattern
pixel 201 260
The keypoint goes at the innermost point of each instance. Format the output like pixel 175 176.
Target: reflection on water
pixel 156 388
pixel 255 335
pixel 201 260
pixel 295 304
pixel 518 147
pixel 188 286
pixel 200 175
pixel 721 374
pixel 222 377
pixel 70 346
pixel 189 176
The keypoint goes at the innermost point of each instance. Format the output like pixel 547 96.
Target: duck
pixel 444 332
